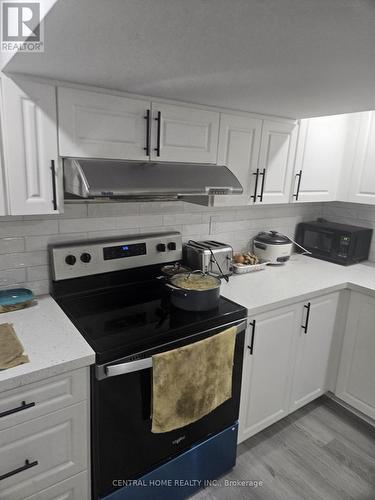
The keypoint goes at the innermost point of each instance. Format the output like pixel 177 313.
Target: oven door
pixel 123 446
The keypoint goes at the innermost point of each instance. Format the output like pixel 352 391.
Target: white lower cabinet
pixel 313 350
pixel 74 488
pixel 356 377
pixel 284 366
pixel 44 439
pixel 267 369
pixel 3 210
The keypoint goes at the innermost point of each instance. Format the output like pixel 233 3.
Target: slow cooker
pixel 273 247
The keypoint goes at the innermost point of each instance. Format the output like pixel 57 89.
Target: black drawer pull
pixel 306 325
pixel 263 174
pixel 27 465
pixel 22 407
pixel 54 190
pixel 148 132
pixel 158 140
pixel 254 196
pixel 299 175
pixel 251 346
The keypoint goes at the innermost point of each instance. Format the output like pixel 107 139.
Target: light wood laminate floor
pixel 320 452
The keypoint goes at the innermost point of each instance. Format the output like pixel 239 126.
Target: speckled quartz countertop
pixel 54 345
pixel 51 341
pixel 299 279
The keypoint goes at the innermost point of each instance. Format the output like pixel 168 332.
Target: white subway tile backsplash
pixel 33 243
pixel 25 259
pixel 38 287
pixel 88 224
pixel 27 228
pixel 112 209
pixel 24 241
pixel 9 245
pixel 12 277
pixel 184 218
pixel 37 273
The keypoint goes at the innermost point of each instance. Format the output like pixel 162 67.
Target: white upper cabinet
pixel 319 157
pixel 362 185
pixel 355 382
pixel 314 341
pixel 184 134
pixel 96 125
pixel 239 142
pixel 30 147
pixel 272 179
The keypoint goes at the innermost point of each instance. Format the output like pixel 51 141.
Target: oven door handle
pixel 107 371
pixel 129 367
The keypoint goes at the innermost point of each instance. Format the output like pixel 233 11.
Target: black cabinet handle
pixel 306 325
pixel 254 196
pixel 158 119
pixel 263 174
pixel 148 132
pixel 251 346
pixel 22 407
pixel 27 465
pixel 299 175
pixel 54 199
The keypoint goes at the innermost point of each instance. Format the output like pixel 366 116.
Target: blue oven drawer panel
pixel 185 474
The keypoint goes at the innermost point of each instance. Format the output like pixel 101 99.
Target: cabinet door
pixel 74 488
pixel 313 349
pixel 239 142
pixel 356 378
pixel 95 125
pixel 362 185
pixel 267 370
pixel 30 146
pixel 183 134
pixel 319 157
pixel 2 189
pixel 276 160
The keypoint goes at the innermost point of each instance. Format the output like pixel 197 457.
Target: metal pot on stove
pixel 194 291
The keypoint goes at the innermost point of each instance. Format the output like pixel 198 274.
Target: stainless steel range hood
pixel 116 179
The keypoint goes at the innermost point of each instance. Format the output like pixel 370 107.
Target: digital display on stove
pixel 121 251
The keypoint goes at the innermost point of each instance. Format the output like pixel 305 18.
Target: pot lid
pixel 272 238
pixel 197 282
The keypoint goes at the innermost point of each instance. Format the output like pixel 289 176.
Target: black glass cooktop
pixel 126 319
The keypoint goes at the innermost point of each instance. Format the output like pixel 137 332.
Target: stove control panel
pixel 85 258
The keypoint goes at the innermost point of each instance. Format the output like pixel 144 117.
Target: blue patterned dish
pixel 13 299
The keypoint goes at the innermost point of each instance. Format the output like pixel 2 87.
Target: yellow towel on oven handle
pixel 191 381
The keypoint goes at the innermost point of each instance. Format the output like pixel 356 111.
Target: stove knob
pixel 160 247
pixel 171 245
pixel 85 257
pixel 70 260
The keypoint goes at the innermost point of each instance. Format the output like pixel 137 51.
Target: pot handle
pixel 176 290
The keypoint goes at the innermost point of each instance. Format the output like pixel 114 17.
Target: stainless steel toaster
pixel 208 256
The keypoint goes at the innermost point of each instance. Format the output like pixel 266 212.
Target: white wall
pixel 24 240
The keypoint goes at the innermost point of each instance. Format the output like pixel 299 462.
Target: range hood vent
pixel 115 179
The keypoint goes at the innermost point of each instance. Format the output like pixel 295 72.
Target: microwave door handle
pixel 135 366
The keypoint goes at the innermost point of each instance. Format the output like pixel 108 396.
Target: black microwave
pixel 339 243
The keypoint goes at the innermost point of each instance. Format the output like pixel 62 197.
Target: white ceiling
pixel 294 58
